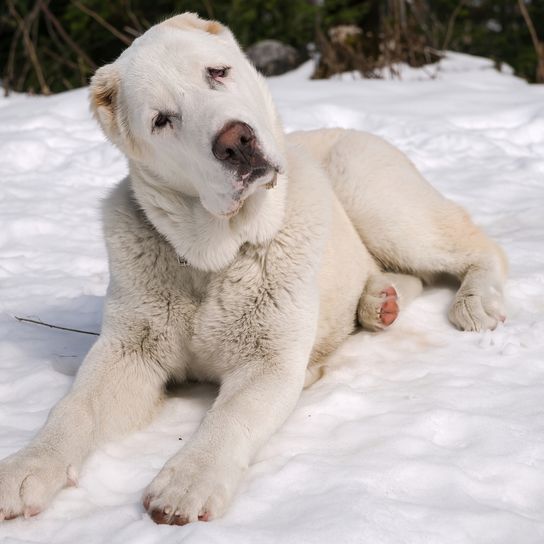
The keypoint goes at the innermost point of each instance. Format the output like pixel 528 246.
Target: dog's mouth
pixel 254 174
pixel 263 175
pixel 258 178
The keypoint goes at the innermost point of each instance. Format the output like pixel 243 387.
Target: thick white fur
pixel 268 291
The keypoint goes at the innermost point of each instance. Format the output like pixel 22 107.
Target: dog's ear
pixel 188 21
pixel 104 96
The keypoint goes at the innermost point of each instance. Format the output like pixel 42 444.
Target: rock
pixel 272 57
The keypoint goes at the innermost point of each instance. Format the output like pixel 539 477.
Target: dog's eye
pixel 217 74
pixel 161 120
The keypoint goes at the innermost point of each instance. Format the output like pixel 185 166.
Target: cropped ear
pixel 104 96
pixel 191 21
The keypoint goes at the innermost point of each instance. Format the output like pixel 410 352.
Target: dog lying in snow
pixel 238 255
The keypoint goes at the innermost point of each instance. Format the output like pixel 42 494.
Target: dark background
pixel 53 45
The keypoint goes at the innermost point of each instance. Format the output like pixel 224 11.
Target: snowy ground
pixel 422 434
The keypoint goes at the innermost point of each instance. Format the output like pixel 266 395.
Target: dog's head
pixel 184 103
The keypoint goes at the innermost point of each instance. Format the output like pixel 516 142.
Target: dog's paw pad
pixel 389 309
pixel 378 309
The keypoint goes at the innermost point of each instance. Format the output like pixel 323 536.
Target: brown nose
pixel 235 144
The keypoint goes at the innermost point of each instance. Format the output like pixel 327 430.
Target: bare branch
pixel 37 322
pixel 131 31
pixel 9 71
pixel 64 35
pixel 27 40
pixel 209 8
pixel 451 24
pixel 138 26
pixel 537 44
pixel 102 22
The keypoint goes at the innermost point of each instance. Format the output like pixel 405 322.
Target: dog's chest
pixel 230 312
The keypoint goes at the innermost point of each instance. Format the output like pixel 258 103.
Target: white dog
pixel 239 256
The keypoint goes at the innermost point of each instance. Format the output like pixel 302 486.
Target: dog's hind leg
pixel 383 298
pixel 408 226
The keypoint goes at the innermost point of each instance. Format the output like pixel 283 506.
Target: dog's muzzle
pixel 236 146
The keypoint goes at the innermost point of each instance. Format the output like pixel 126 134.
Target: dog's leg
pixel 409 227
pixel 116 391
pixel 443 239
pixel 199 482
pixel 383 298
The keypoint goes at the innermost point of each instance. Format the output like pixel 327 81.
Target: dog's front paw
pixel 475 310
pixel 188 490
pixel 29 480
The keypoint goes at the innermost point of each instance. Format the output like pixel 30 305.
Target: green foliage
pixel 495 29
pixel 350 12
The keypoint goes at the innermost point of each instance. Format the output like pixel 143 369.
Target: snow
pixel 421 434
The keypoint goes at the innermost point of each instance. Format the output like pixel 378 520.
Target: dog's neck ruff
pixel 200 239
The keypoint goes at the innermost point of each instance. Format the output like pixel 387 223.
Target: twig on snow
pixel 38 322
